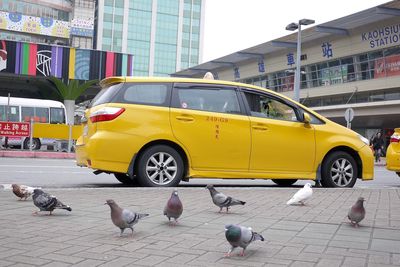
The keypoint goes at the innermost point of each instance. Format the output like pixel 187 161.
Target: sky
pixel 233 25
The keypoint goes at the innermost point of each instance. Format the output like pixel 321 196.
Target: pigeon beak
pixel 105 203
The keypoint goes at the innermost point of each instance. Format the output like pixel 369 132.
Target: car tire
pixel 160 166
pixel 398 173
pixel 284 182
pixel 339 169
pixel 35 143
pixel 125 178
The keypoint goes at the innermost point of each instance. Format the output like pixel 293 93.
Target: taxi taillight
pixel 106 114
pixel 395 138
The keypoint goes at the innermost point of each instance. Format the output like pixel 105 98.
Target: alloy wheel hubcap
pixel 342 172
pixel 161 168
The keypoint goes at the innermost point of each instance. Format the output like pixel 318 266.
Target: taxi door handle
pixel 260 127
pixel 184 118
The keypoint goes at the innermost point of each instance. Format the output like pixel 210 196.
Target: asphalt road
pixel 63 173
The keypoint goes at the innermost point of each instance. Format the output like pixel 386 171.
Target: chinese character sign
pixel 14 129
pixel 327 50
pixel 290 59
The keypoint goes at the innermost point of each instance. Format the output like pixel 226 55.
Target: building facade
pixel 163 35
pixel 61 22
pixel 351 62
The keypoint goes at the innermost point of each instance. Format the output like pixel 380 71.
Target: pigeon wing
pixel 221 200
pixel 246 236
pixel 300 195
pixel 129 217
pixel 45 202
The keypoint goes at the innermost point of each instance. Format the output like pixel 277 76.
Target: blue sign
pixel 236 71
pixel 388 35
pixel 327 50
pixel 261 66
pixel 290 59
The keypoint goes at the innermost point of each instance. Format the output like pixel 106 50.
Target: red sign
pixel 388 66
pixel 14 129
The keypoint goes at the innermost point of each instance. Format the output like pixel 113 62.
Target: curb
pixel 37 154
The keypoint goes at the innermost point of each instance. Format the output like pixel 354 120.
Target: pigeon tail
pixel 142 215
pixel 67 208
pixel 60 205
pixel 291 201
pixel 257 236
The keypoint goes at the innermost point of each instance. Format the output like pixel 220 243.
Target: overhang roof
pixel 341 26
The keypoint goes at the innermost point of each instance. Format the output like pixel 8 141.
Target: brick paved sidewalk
pixel 317 234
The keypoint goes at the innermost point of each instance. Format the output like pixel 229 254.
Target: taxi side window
pixel 208 99
pixel 269 107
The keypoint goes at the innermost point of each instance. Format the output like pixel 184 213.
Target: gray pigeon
pixel 240 236
pixel 357 212
pixel 123 218
pixel 47 202
pixel 222 200
pixel 174 207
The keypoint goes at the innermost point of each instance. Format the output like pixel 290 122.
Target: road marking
pixel 40 166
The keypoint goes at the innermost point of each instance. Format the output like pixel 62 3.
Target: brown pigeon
pixel 357 212
pixel 22 191
pixel 174 207
pixel 123 218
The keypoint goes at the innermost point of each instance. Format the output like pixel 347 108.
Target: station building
pixel 350 62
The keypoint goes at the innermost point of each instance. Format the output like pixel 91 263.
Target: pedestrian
pixel 377 145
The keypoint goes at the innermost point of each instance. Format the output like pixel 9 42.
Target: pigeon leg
pixel 228 254
pixel 35 213
pixel 302 203
pixel 242 253
pixel 132 231
pixel 220 209
pixel 227 209
pixel 122 231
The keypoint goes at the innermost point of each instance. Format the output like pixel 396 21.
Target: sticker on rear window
pixel 184 105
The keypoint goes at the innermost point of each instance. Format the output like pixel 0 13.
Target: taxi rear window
pixel 106 95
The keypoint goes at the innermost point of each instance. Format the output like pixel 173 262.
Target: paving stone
pixel 302 264
pixel 329 263
pixel 385 245
pixel 354 262
pixel 151 260
pixel 89 263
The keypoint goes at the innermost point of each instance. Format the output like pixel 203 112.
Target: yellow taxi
pixel 393 152
pixel 160 131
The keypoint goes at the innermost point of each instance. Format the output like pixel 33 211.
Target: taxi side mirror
pixel 306 118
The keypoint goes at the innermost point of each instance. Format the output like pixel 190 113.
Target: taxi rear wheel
pixel 339 169
pixel 160 166
pixel 284 182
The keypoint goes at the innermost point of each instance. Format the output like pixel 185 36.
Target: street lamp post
pixel 292 27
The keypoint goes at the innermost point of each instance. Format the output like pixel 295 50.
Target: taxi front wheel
pixel 160 166
pixel 339 169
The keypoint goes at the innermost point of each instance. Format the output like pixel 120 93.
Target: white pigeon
pixel 302 195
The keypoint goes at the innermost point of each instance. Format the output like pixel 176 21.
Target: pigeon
pixel 240 236
pixel 123 218
pixel 357 212
pixel 174 207
pixel 47 202
pixel 302 195
pixel 22 191
pixel 222 200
